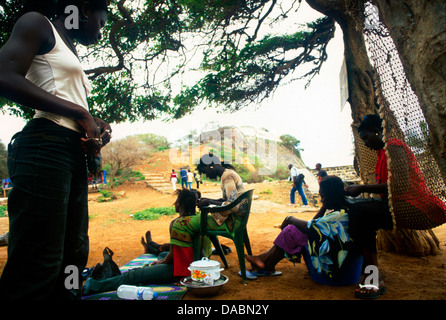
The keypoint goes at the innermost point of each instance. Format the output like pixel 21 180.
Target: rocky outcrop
pixel 249 145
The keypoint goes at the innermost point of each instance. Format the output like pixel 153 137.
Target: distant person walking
pixel 320 172
pixel 173 179
pixel 297 178
pixel 190 179
pixel 197 177
pixel 183 174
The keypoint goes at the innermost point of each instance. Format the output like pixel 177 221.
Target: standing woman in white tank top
pixel 48 204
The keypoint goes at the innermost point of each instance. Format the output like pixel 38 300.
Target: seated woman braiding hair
pixel 329 236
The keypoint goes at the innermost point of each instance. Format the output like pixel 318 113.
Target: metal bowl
pixel 201 289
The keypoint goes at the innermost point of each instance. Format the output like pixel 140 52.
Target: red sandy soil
pixel 111 225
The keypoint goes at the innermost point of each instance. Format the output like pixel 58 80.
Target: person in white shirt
pixel 190 179
pixel 48 203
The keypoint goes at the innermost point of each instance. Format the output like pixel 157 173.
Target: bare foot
pixel 256 262
pixel 148 237
pixel 145 245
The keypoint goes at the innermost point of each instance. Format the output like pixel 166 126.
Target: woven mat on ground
pixel 165 292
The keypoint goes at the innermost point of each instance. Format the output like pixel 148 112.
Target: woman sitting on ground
pixel 328 236
pixel 162 270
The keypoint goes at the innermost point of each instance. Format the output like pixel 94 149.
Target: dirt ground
pixel 111 225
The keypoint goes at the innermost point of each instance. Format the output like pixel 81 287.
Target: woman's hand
pixel 354 190
pixel 285 222
pixel 203 202
pixel 97 131
pixel 92 140
pixel 160 261
pixel 105 131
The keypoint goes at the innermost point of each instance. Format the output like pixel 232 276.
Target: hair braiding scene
pixel 258 152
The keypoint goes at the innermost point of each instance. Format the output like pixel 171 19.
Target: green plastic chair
pixel 239 234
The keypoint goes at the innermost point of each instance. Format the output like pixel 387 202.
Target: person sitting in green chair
pixel 185 229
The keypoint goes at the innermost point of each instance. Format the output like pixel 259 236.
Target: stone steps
pixel 158 182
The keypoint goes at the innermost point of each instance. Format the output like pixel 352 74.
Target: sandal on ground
pixel 249 275
pixel 264 273
pixel 373 292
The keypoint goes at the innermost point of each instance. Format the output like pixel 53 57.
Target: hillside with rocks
pixel 258 150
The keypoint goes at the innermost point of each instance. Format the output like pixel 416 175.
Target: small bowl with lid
pixel 205 269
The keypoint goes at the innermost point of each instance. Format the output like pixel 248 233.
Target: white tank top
pixel 60 73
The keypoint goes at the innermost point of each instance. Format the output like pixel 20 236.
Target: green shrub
pixel 154 213
pixel 282 172
pixel 127 175
pixel 3 211
pixel 106 195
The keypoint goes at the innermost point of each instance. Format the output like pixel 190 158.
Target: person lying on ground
pixel 162 271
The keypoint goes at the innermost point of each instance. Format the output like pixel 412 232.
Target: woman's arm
pixel 204 202
pixel 167 259
pixel 320 213
pixel 298 223
pixel 356 189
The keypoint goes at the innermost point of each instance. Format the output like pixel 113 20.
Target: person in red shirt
pixel 173 179
pixel 379 217
pixel 371 132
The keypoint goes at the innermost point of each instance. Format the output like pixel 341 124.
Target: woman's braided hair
pixel 371 121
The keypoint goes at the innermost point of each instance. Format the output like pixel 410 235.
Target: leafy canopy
pixel 163 58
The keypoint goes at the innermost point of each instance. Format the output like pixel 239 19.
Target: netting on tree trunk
pixel 417 193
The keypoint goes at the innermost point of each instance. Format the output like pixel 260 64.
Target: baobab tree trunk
pixel 418 31
pixel 359 70
pixel 349 15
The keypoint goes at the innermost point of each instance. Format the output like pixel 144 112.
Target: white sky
pixel 313 116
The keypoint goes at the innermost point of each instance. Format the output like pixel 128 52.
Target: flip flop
pixel 370 295
pixel 249 275
pixel 263 273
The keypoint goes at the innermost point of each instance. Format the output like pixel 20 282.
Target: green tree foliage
pixel 291 143
pixel 162 58
pixel 153 142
